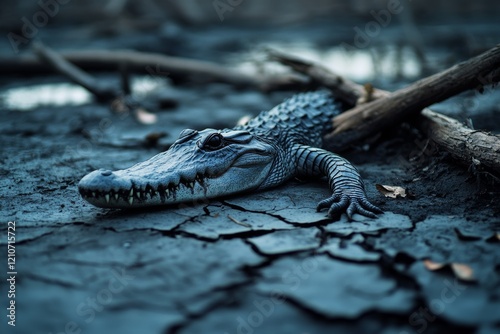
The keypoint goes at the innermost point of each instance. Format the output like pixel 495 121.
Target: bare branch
pixel 343 88
pixel 61 65
pixel 154 64
pixel 366 119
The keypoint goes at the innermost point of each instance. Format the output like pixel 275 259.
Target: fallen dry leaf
pixel 118 106
pixel 244 120
pixel 391 191
pixel 145 117
pixel 431 265
pixel 463 271
pixel 367 94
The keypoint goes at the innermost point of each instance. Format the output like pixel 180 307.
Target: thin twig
pixel 61 65
pixel 343 88
pixel 236 221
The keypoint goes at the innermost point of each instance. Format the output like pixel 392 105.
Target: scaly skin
pixel 270 149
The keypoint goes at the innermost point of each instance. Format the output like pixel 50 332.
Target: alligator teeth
pixel 107 198
pixel 191 184
pixel 167 193
pixel 93 194
pixel 199 179
pixel 116 196
pixel 131 200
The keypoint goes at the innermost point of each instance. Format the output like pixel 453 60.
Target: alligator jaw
pixel 149 195
pixel 195 191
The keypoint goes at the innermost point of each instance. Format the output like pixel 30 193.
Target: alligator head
pixel 199 165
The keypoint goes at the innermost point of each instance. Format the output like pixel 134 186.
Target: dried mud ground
pixel 280 268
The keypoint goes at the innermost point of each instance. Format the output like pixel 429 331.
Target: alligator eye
pixel 214 142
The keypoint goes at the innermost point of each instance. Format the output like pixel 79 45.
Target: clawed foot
pixel 351 204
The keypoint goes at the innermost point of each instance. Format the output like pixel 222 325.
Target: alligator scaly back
pixel 305 116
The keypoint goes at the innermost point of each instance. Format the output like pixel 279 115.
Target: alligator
pixel 268 150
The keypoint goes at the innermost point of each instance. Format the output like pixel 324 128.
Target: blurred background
pixel 389 43
pixel 192 12
pixel 212 29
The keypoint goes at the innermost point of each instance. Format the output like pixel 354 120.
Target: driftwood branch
pixel 469 146
pixel 154 64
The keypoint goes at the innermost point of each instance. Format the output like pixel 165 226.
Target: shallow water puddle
pixel 64 94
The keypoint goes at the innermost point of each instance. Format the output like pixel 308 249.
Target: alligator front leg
pixel 343 178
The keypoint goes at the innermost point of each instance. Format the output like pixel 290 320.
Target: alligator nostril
pixel 106 173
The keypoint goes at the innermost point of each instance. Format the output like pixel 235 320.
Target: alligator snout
pixel 103 179
pixel 103 184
